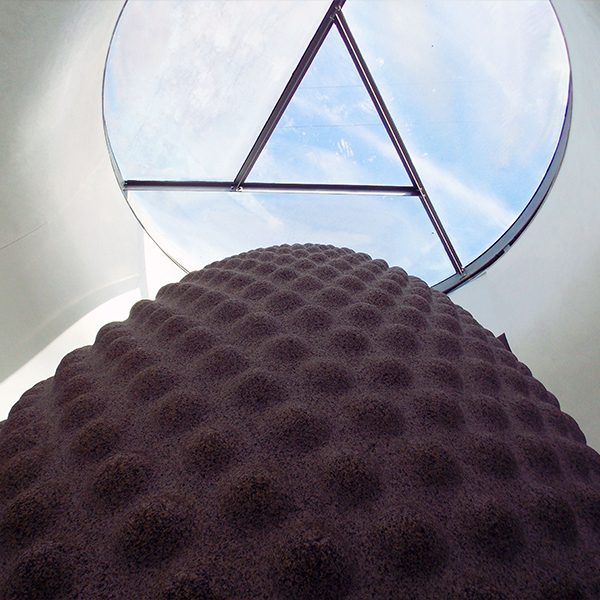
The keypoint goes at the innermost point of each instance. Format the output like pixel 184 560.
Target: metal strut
pixel 390 126
pixel 288 92
pixel 334 15
pixel 307 188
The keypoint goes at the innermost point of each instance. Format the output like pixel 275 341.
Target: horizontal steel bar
pixel 332 188
pixel 307 188
pixel 150 184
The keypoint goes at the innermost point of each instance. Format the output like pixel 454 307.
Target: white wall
pixel 68 242
pixel 159 271
pixel 545 292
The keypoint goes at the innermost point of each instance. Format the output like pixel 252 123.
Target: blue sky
pixel 477 90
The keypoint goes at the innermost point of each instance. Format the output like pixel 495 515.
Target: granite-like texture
pixel 296 423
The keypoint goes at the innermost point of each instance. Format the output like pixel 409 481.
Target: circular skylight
pixel 425 133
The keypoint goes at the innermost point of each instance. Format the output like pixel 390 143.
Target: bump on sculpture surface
pixel 291 423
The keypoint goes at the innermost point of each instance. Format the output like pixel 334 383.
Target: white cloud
pixel 498 69
pixel 208 73
pixel 453 195
pixel 255 208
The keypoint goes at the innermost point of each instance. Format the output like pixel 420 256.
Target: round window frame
pixel 477 266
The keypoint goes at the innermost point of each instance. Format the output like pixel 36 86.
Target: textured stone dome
pixel 296 423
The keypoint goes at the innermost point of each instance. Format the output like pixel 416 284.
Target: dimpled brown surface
pixel 296 423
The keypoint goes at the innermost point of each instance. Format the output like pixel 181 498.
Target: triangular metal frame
pixel 343 63
pixel 333 16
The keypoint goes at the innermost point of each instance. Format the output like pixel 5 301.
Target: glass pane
pixel 478 91
pixel 189 85
pixel 330 132
pixel 197 228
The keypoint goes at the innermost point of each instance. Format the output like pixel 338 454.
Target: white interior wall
pixel 68 242
pixel 159 270
pixel 81 333
pixel 544 293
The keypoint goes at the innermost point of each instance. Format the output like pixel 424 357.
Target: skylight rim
pixel 473 268
pixel 511 235
pixel 503 244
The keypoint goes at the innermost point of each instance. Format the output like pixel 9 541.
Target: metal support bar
pixel 288 92
pixel 390 127
pixel 308 188
pixel 331 188
pixel 200 186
